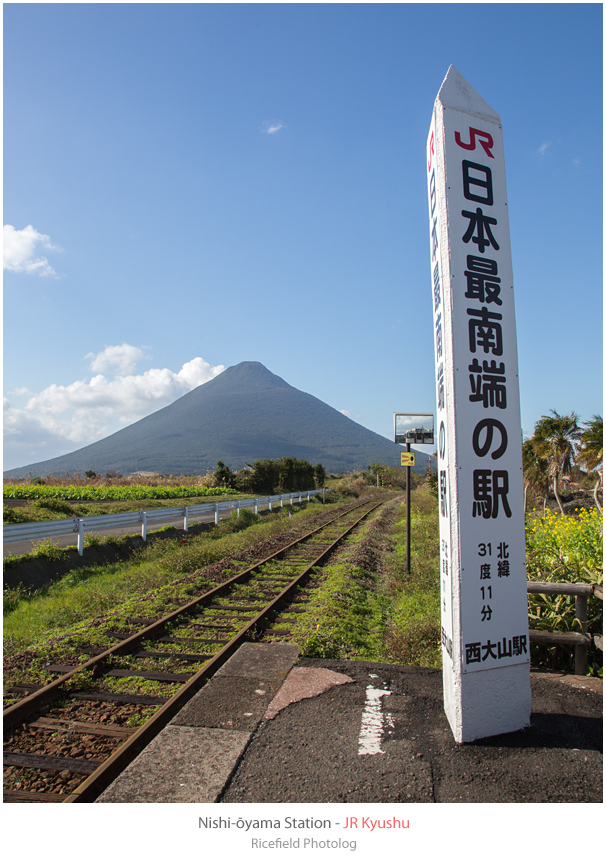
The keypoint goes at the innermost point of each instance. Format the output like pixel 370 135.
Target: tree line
pixel 558 444
pixel 265 477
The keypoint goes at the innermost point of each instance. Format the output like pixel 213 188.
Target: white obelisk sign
pixel 485 644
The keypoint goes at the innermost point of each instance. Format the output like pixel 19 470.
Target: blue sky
pixel 190 186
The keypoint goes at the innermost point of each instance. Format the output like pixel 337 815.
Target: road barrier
pixel 80 525
pixel 579 639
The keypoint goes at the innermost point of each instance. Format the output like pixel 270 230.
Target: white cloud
pixel 21 248
pixel 543 148
pixel 123 359
pixel 273 127
pixel 351 415
pixel 62 418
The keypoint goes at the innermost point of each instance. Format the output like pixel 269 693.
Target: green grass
pixel 413 635
pixel 345 617
pixel 141 587
pixel 361 613
pixel 355 613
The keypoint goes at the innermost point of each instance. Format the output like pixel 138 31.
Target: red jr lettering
pixel 484 139
pixel 431 153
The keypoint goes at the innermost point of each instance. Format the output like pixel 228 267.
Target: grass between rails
pixel 160 573
pixel 378 612
pixel 362 608
pixel 365 607
pixel 345 617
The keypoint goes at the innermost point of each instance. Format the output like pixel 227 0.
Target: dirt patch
pixel 370 553
pixel 36 573
pixel 575 499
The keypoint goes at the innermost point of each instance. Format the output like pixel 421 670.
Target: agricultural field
pixel 54 498
pixel 124 492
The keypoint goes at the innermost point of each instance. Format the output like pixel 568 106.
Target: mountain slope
pixel 244 414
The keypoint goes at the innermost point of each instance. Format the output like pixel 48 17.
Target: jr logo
pixel 484 139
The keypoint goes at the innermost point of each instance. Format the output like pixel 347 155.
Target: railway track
pixel 77 733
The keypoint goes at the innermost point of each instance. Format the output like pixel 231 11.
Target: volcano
pixel 242 415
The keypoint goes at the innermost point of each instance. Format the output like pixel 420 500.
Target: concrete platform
pixel 193 757
pixel 324 731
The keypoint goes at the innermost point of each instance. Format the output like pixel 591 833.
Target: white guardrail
pixel 80 525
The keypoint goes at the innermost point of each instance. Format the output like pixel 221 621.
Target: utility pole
pixel 408 513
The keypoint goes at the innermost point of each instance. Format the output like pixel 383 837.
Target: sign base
pixel 488 702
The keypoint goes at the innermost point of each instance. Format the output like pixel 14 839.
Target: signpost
pixel 485 643
pixel 409 428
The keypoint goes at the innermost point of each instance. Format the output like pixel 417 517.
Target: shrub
pixel 46 549
pixel 13 515
pixel 564 549
pixel 565 546
pixel 56 505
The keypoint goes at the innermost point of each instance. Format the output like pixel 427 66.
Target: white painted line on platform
pixel 373 721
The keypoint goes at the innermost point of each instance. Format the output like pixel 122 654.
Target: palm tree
pixel 535 470
pixel 590 453
pixel 555 439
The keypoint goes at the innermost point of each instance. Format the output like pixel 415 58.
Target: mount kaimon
pixel 244 414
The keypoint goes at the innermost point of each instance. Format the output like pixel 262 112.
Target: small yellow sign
pixel 407 458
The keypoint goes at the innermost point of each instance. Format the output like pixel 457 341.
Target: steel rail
pixel 93 785
pixel 26 706
pixel 101 778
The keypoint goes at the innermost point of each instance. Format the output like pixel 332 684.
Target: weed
pixel 413 635
pixel 418 643
pixel 47 549
pixel 139 718
pixel 11 597
pixel 158 573
pixel 345 617
pixel 14 515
